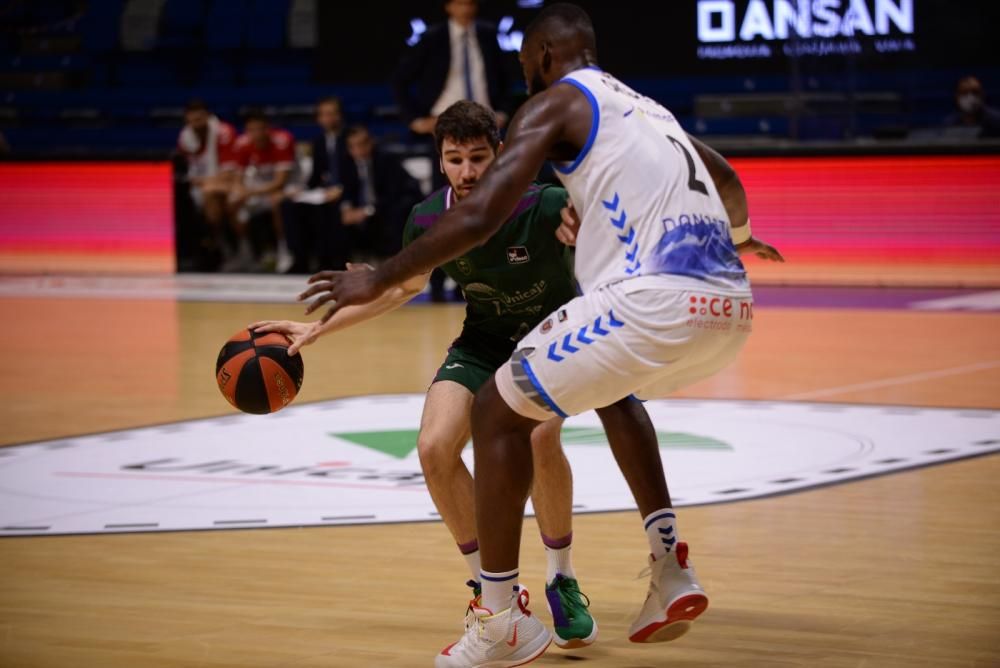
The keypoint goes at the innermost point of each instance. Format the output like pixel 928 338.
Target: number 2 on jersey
pixel 693 182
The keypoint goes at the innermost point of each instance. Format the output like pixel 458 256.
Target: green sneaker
pixel 571 620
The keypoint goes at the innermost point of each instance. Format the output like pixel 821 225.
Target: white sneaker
pixel 285 259
pixel 674 600
pixel 509 638
pixel 241 261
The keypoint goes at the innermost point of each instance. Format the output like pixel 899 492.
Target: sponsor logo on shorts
pixel 719 313
pixel 562 315
pixel 517 255
pixel 547 326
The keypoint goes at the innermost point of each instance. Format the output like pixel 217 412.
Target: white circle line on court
pixel 322 467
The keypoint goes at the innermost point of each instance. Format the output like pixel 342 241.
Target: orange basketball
pixel 256 374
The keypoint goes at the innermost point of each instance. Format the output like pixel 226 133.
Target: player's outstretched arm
pixel 536 128
pixel 305 333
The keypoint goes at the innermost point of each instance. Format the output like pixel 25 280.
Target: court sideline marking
pixel 889 382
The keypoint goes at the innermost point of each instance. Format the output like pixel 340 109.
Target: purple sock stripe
pixel 505 578
pixel 660 517
pixel 558 543
pixel 470 547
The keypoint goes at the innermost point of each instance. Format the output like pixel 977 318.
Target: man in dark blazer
pixel 328 153
pixel 317 229
pixel 378 195
pixel 458 59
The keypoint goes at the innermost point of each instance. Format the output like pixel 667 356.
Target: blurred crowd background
pixel 299 131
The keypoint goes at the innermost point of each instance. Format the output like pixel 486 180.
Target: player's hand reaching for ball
pixel 299 333
pixel 357 285
pixel 761 249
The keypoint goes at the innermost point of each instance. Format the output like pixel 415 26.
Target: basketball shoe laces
pixel 475 624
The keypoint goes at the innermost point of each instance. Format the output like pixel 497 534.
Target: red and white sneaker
pixel 506 639
pixel 675 598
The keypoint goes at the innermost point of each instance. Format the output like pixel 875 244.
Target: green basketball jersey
pixel 518 276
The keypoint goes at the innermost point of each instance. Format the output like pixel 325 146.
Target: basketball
pixel 256 374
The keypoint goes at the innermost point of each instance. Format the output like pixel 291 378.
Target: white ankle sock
pixel 498 589
pixel 557 557
pixel 470 552
pixel 558 562
pixel 661 530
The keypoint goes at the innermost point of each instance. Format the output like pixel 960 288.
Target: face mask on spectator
pixel 970 103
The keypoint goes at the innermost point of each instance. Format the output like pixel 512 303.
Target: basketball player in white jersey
pixel 665 303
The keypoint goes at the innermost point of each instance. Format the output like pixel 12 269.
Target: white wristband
pixel 741 234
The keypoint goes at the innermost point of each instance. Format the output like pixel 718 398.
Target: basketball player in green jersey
pixel 521 274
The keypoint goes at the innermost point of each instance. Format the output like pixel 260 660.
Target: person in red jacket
pixel 207 146
pixel 264 158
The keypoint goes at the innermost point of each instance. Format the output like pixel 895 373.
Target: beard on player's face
pixel 463 185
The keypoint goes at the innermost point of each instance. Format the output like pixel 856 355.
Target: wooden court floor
pixel 900 570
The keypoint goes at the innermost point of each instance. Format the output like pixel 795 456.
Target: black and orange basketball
pixel 256 374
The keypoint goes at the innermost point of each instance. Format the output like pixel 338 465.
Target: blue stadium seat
pixel 226 25
pixel 267 24
pixel 101 25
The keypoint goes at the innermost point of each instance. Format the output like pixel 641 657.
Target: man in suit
pixel 327 147
pixel 318 229
pixel 378 194
pixel 455 60
pixel 458 59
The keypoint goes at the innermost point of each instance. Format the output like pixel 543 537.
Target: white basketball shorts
pixel 645 336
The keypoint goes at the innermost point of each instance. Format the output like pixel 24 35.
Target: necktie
pixel 367 189
pixel 467 65
pixel 333 167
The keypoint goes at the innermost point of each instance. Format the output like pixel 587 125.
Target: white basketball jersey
pixel 646 201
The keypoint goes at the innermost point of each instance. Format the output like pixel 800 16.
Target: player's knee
pixel 437 455
pixel 545 438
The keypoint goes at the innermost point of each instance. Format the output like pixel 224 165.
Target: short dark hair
pixel 356 129
pixel 464 121
pixel 330 99
pixel 561 17
pixel 255 115
pixel 195 105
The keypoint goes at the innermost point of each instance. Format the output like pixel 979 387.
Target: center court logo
pixel 354 460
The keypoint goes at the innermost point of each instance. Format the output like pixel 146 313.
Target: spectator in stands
pixel 458 59
pixel 378 195
pixel 973 115
pixel 327 148
pixel 207 146
pixel 316 224
pixel 455 60
pixel 264 161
